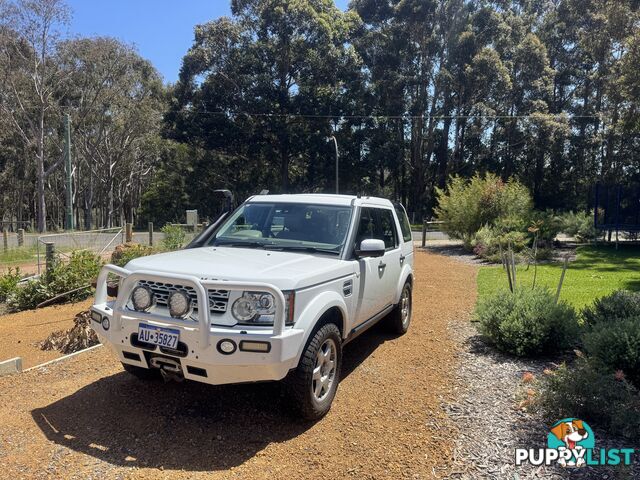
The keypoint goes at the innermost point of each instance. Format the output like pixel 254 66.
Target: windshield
pixel 286 226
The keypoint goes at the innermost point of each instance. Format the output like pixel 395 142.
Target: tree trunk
pixel 40 191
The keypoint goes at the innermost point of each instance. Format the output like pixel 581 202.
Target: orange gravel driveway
pixel 86 418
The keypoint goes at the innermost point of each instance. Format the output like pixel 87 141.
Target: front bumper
pixel 200 357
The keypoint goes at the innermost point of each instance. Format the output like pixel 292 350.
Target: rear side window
pixel 404 223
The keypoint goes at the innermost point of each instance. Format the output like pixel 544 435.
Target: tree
pixel 30 34
pixel 116 99
pixel 281 62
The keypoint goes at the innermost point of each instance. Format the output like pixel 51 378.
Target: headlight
pixel 142 298
pixel 179 304
pixel 259 308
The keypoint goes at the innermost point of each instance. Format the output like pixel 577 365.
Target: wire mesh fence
pixel 101 242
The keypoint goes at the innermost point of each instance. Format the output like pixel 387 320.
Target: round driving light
pixel 105 323
pixel 244 309
pixel 179 304
pixel 142 298
pixel 226 347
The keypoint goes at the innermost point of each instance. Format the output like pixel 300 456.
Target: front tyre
pixel 400 318
pixel 314 382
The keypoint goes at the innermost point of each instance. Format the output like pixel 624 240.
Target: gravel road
pixel 86 418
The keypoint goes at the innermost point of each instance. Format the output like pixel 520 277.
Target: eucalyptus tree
pixel 30 81
pixel 116 100
pixel 261 88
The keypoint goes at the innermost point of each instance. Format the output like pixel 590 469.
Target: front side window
pixel 286 226
pixel 377 223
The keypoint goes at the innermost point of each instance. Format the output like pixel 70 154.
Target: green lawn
pixel 16 256
pixel 597 271
pixel 21 255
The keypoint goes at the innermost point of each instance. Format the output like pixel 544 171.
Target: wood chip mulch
pixel 491 424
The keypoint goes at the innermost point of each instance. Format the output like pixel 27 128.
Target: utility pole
pixel 335 143
pixel 67 163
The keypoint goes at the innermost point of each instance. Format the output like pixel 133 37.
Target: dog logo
pixel 571 444
pixel 572 438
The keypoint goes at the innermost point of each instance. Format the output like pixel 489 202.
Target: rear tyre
pixel 400 317
pixel 142 373
pixel 314 382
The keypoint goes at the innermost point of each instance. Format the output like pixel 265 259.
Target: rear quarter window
pixel 405 226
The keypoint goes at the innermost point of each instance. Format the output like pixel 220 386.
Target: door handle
pixel 382 266
pixel 402 257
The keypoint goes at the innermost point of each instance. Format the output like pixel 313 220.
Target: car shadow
pixel 188 426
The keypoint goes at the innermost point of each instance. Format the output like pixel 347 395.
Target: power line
pixel 399 117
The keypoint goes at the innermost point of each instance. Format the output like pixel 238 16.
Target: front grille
pixel 218 299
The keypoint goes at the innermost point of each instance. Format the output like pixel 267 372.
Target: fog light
pixel 105 323
pixel 179 304
pixel 95 316
pixel 259 347
pixel 142 298
pixel 226 347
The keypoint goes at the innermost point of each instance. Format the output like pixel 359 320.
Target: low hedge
pixel 527 322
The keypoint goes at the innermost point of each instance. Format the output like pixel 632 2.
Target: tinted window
pixel 377 223
pixel 365 226
pixel 388 228
pixel 404 223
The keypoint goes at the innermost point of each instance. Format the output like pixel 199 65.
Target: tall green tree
pixel 261 89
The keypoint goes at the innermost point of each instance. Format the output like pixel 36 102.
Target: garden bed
pixel 493 424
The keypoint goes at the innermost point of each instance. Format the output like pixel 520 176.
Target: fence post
pixel 151 234
pixel 424 233
pixel 5 239
pixel 50 254
pixel 20 237
pixel 128 236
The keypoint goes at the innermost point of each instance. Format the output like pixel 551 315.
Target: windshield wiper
pixel 248 244
pixel 302 248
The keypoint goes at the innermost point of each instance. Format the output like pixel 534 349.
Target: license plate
pixel 165 337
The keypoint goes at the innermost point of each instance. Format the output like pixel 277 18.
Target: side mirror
pixel 370 247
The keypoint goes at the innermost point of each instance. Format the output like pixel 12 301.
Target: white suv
pixel 274 291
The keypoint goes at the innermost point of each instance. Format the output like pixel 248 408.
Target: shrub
pixel 29 295
pixel 578 225
pixel 619 304
pixel 587 391
pixel 126 252
pixel 616 346
pixel 527 322
pixel 465 206
pixel 487 241
pixel 174 237
pixel 83 267
pixel 546 225
pixel 9 283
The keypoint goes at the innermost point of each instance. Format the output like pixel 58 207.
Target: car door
pixel 376 285
pixel 393 258
pixel 370 283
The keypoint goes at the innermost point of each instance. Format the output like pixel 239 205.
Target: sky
pixel 161 30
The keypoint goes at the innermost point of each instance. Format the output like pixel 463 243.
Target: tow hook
pixel 169 368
